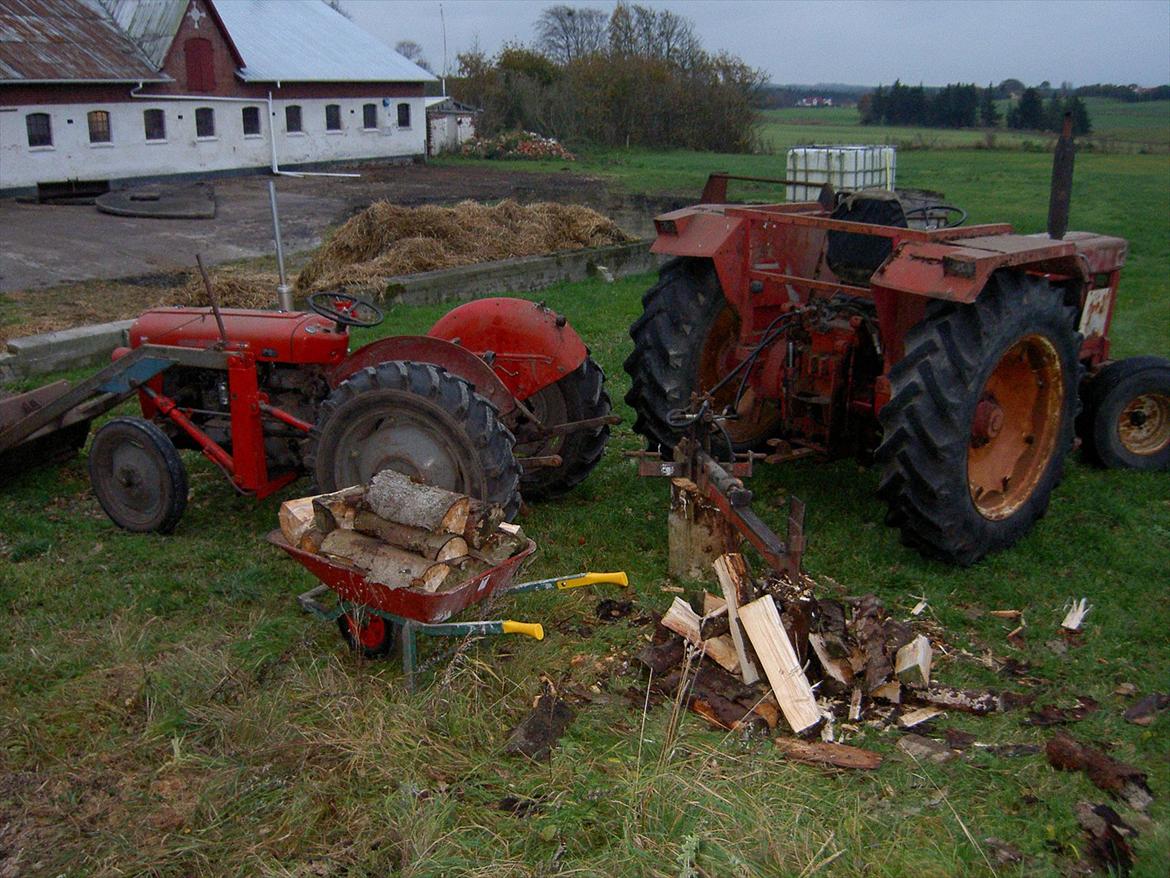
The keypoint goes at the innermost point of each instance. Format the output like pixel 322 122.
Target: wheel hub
pixel 1015 426
pixel 1144 424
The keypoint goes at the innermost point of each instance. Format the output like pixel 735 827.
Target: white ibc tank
pixel 842 167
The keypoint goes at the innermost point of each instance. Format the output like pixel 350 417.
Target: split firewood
pixel 1117 778
pixel 311 541
pixel 665 651
pixel 1109 837
pixel 462 569
pixel 761 622
pixel 733 582
pixel 725 700
pixel 869 632
pixel 714 624
pixel 500 546
pixel 891 692
pixel 836 755
pixel 398 498
pixel 296 518
pixel 918 717
pixel 337 509
pixel 681 619
pixel 966 700
pixel 430 545
pixel 483 521
pixel 384 564
pixel 855 705
pixel 831 654
pixel 912 663
pixel 712 603
pixel 1005 614
pixel 1075 613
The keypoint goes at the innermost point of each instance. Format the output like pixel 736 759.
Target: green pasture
pixel 165 709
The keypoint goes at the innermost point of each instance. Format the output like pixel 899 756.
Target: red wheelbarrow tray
pixel 351 585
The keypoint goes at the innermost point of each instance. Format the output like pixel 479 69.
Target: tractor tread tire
pixel 927 422
pixel 1105 396
pixel 477 418
pixel 583 392
pixel 676 313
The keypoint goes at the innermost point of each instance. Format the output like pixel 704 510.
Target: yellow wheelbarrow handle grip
pixel 529 629
pixel 617 578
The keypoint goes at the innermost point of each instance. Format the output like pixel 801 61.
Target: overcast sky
pixel 809 41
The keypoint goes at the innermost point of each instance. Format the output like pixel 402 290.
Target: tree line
pixel 634 77
pixel 965 105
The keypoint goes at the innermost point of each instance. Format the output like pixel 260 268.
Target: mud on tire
pixel 418 419
pixel 958 483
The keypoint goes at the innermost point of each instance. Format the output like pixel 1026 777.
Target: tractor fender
pixel 706 233
pixel 426 349
pixel 528 345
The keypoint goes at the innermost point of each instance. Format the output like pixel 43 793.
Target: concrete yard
pixel 47 245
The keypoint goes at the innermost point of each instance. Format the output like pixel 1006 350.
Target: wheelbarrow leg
pixel 409 654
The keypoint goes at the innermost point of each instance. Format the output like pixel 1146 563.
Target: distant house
pixel 815 101
pixel 450 124
pixel 115 89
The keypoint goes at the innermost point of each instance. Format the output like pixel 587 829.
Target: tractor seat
pixel 853 256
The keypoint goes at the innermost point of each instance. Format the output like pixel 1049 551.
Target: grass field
pixel 165 709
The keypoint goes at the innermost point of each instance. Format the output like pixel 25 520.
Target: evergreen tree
pixel 1080 115
pixel 1028 113
pixel 989 114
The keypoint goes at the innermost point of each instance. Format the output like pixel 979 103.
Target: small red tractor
pixel 501 396
pixel 964 359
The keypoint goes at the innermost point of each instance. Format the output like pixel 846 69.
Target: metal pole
pixel 284 291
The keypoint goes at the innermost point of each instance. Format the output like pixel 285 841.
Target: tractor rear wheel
pixel 579 396
pixel 1126 422
pixel 980 419
pixel 684 343
pixel 419 420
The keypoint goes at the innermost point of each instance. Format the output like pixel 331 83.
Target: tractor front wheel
pixel 684 343
pixel 980 419
pixel 579 396
pixel 1126 422
pixel 421 421
pixel 138 476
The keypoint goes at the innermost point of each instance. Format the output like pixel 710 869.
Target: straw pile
pixel 234 287
pixel 386 240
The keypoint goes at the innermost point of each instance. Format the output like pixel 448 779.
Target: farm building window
pixel 205 122
pixel 369 115
pixel 99 126
pixel 155 123
pixel 251 117
pixel 40 129
pixel 333 117
pixel 404 115
pixel 200 64
pixel 292 118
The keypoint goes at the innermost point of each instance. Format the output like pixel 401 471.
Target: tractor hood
pixel 278 336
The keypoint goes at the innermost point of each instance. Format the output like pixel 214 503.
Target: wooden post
pixel 697 532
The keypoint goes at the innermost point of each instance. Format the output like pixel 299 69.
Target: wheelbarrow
pixel 373 617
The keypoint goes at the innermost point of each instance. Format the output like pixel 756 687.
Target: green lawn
pixel 165 709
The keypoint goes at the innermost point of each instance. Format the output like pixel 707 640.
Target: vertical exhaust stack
pixel 1062 174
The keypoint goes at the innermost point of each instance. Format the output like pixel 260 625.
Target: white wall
pixel 450 131
pixel 129 154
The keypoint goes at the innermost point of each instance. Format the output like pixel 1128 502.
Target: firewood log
pixel 384 564
pixel 433 546
pixel 398 498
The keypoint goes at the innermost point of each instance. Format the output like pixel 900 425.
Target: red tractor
pixel 499 397
pixel 958 357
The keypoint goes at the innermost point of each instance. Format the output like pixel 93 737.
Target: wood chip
pixel 918 717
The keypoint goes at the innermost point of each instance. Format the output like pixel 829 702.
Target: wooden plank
pixel 732 574
pixel 761 622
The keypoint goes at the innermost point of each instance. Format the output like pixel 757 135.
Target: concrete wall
pixel 449 131
pixel 129 154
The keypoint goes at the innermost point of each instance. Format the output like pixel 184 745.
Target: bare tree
pixel 412 51
pixel 567 33
pixel 639 31
pixel 336 6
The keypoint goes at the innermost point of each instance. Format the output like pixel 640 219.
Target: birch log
pixel 430 545
pixel 385 564
pixel 398 498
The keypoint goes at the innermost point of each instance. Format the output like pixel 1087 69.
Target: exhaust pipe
pixel 1062 174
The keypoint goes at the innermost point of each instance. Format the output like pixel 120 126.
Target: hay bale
pixel 386 240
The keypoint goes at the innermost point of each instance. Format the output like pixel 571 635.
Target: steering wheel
pixel 951 216
pixel 346 310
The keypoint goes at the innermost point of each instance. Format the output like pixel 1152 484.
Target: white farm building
pixel 103 90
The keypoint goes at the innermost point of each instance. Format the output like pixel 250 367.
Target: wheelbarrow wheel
pixel 371 636
pixel 138 476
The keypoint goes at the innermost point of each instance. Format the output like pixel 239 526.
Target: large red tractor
pixel 959 357
pixel 501 396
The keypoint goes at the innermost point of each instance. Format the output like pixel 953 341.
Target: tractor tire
pixel 1126 421
pixel 417 419
pixel 138 476
pixel 579 396
pixel 981 418
pixel 684 343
